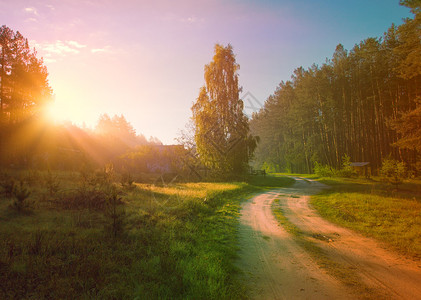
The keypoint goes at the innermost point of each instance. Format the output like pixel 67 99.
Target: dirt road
pixel 324 262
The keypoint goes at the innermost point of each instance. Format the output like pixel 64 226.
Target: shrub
pixel 323 170
pixel 98 179
pixel 20 193
pixel 393 171
pixel 8 185
pixel 127 181
pixel 53 185
pixel 269 167
pixel 346 170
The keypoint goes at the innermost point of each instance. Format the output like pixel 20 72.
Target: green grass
pixel 177 241
pixel 376 210
pixel 283 221
pixel 309 176
pixel 270 181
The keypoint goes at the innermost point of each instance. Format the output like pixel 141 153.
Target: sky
pixel 145 59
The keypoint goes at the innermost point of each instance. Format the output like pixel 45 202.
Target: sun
pixel 56 112
pixel 66 109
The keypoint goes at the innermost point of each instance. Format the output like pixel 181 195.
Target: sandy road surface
pixel 276 266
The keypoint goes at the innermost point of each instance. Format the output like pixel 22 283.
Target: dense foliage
pixel 24 90
pixel 221 127
pixel 24 86
pixel 361 103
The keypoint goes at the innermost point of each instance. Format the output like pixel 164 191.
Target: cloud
pixel 98 50
pixel 50 6
pixel 31 10
pixel 50 60
pixel 59 49
pixel 75 44
pixel 31 20
pixel 101 50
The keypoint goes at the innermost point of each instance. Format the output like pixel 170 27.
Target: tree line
pixel 363 103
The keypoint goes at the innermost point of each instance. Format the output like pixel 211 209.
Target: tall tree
pixel 409 126
pixel 6 36
pixel 24 87
pixel 361 103
pixel 24 92
pixel 221 128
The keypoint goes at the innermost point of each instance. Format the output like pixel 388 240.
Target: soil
pixel 325 262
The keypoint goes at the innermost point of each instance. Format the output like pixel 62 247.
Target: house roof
pixel 359 164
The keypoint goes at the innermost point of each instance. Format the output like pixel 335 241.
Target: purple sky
pixel 145 59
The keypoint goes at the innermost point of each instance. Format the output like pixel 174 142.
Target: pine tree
pixel 24 88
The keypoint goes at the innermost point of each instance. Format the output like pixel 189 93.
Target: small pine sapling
pixel 20 193
pixel 114 213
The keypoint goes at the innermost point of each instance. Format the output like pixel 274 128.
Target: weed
pixel 98 179
pixel 127 181
pixel 83 198
pixel 35 246
pixel 32 177
pixel 8 185
pixel 52 183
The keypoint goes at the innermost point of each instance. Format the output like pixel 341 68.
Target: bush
pixel 269 167
pixel 346 170
pixel 98 179
pixel 8 185
pixel 52 183
pixel 127 181
pixel 393 171
pixel 323 170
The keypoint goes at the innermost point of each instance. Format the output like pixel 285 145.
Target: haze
pixel 145 59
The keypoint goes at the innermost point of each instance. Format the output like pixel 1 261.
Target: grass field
pixel 376 210
pixel 86 236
